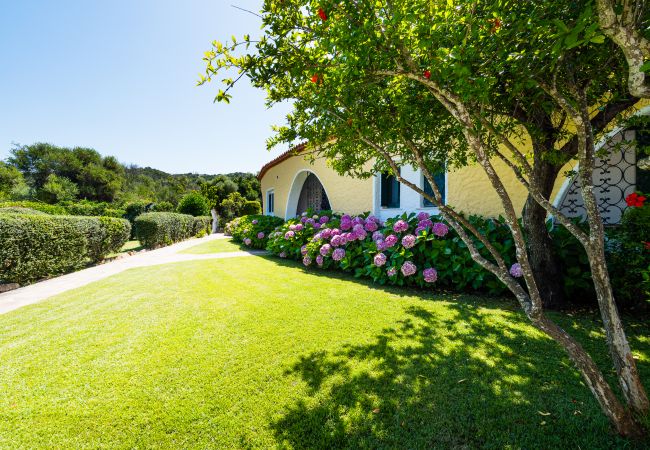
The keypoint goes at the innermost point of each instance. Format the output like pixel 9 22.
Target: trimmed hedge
pixel 38 246
pixel 157 229
pixel 254 230
pixel 38 206
pixel 19 210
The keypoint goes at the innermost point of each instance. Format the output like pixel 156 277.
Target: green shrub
pixel 38 206
pixel 163 207
pixel 202 226
pixel 39 246
pixel 19 210
pixel 194 204
pixel 90 208
pixel 251 207
pixel 254 230
pixel 157 229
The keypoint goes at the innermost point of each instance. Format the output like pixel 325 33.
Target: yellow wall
pixel 346 194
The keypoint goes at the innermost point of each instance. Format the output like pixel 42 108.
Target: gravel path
pixel 37 292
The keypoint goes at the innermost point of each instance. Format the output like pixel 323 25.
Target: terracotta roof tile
pixel 283 157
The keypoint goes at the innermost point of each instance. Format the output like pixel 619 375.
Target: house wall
pixel 346 194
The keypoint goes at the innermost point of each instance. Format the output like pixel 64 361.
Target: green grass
pixel 215 246
pixel 255 352
pixel 128 247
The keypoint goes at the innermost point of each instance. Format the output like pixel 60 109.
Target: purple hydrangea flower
pixel 306 260
pixel 317 225
pixel 400 225
pixel 283 255
pixel 289 234
pixel 423 216
pixel 408 268
pixel 303 250
pixel 298 227
pixel 418 230
pixel 319 260
pixel 361 235
pixel 377 235
pixel 372 219
pixel 516 270
pixel 303 219
pixel 391 272
pixel 430 275
pixel 255 222
pixel 338 254
pixel 325 249
pixel 425 223
pixel 309 221
pixel 379 259
pixel 346 218
pixel 335 231
pixel 371 226
pixel 381 245
pixel 358 221
pixel 260 235
pixel 324 219
pixel 408 241
pixel 357 228
pixel 336 241
pixel 390 240
pixel 440 229
pixel 247 241
pixel 345 225
pixel 326 233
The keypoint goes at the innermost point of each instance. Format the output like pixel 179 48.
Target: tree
pixel 194 204
pixel 217 190
pixel 58 189
pixel 11 181
pixel 433 84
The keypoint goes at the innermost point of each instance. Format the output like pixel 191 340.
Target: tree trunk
pixel 543 260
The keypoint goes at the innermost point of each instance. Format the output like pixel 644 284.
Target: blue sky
pixel 119 76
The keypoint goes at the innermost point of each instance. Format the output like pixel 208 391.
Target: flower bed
pixel 415 250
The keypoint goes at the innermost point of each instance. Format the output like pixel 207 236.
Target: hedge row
pixel 253 230
pixel 38 206
pixel 157 229
pixel 36 246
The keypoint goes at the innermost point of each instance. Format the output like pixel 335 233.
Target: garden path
pixel 42 290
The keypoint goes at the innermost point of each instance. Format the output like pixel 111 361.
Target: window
pixel 270 203
pixel 439 178
pixel 389 191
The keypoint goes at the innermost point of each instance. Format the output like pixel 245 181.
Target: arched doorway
pixel 306 192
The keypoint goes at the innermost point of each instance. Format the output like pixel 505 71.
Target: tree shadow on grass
pixel 479 377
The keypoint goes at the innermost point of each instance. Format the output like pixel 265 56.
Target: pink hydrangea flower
pixel 325 249
pixel 247 241
pixel 516 270
pixel 306 260
pixel 260 235
pixel 326 233
pixel 255 222
pixel 336 241
pixel 335 231
pixel 400 225
pixel 408 268
pixel 338 254
pixel 379 259
pixel 408 241
pixel 430 275
pixel 440 229
pixel 292 227
pixel 391 272
pixel 319 260
pixel 357 228
pixel 423 216
pixel 289 234
pixel 390 240
pixel 298 227
pixel 344 238
pixel 361 235
pixel 371 226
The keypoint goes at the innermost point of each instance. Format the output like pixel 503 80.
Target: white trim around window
pixel 269 202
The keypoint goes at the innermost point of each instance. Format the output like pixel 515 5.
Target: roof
pixel 283 157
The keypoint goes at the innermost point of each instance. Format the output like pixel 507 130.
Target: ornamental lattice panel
pixel 614 178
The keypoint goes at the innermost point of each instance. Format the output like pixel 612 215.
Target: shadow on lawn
pixel 477 378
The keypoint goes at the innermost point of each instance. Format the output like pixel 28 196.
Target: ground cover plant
pixel 257 353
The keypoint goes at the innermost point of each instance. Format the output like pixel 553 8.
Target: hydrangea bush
pixel 253 230
pixel 414 250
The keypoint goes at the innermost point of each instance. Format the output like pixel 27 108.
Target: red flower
pixel 314 78
pixel 427 74
pixel 322 14
pixel 635 200
pixel 496 24
pixel 647 245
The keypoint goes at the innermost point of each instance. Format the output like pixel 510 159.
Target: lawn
pixel 215 246
pixel 128 247
pixel 256 352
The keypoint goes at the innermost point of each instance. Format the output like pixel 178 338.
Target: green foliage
pixel 90 208
pixel 38 206
pixel 11 181
pixel 57 189
pixel 20 210
pixel 217 190
pixel 253 230
pixel 39 246
pixel 234 206
pixel 163 206
pixel 251 207
pixel 158 229
pixel 194 204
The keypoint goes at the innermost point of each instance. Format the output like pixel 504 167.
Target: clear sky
pixel 119 76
